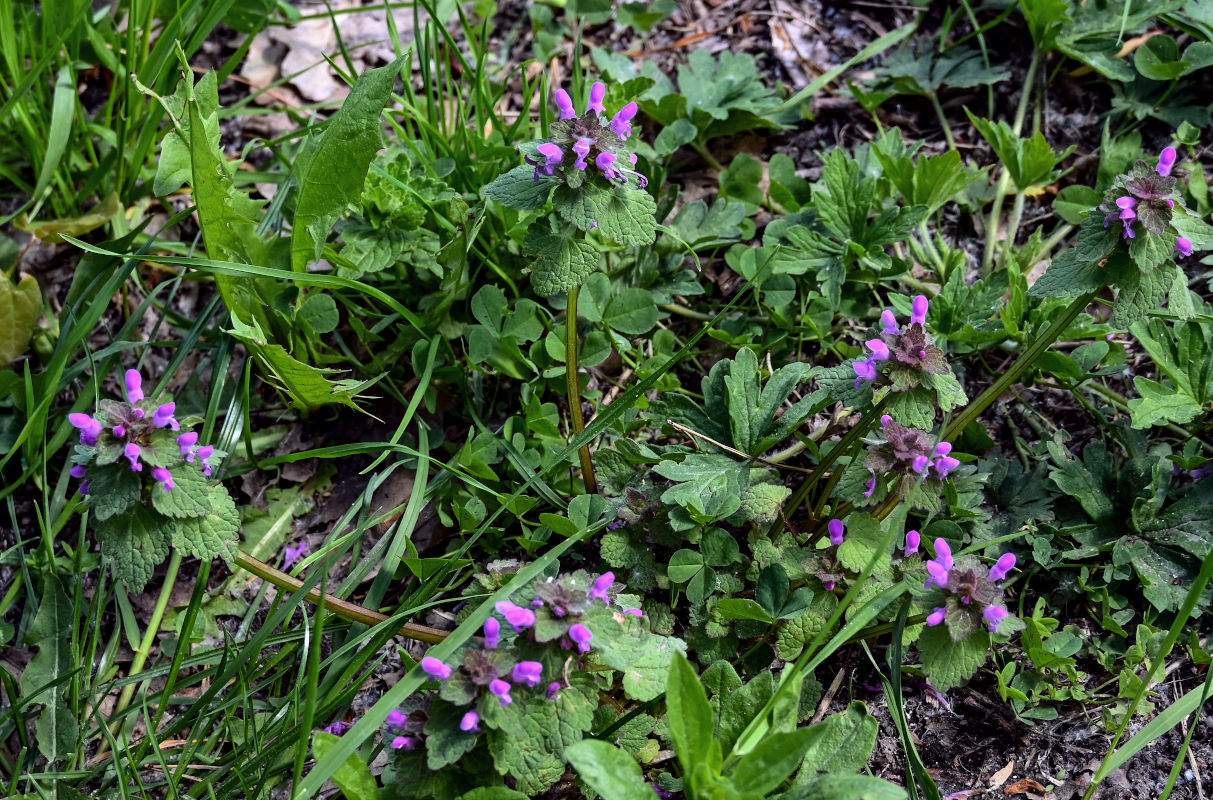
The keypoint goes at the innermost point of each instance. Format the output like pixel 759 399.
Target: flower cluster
pixel 1146 198
pixel 902 349
pixel 142 432
pixel 590 139
pixel 962 592
pixel 495 668
pixel 908 452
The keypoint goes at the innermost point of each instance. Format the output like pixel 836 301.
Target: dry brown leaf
pixel 1024 786
pixel 1002 775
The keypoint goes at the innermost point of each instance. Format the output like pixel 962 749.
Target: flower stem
pixel 576 421
pixel 1005 381
pixel 943 120
pixel 1004 179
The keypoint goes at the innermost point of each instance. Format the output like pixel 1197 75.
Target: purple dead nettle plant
pixel 908 453
pixel 964 593
pixel 1144 201
pixel 142 431
pixel 525 651
pixel 899 352
pixel 580 144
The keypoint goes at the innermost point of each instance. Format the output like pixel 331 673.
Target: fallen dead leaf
pixel 1002 775
pixel 1025 786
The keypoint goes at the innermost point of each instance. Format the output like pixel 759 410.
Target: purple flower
pixel 520 618
pixel 435 668
pixel 920 464
pixel 565 104
pixel 1183 246
pixel 84 487
pixel 77 471
pixel 622 122
pixel 405 743
pixel 120 431
pixel 606 162
pixel 492 633
pixel 633 612
pixel 528 672
pixel 553 689
pixel 599 592
pixel 994 615
pixel 470 722
pixel 919 312
pixel 945 465
pixel 880 350
pixel 943 448
pixel 597 93
pixel 90 428
pixel 940 566
pixel 913 539
pixel 828 586
pixel 293 554
pixel 1129 234
pixel 205 453
pixel 164 478
pixel 582 636
pixel 163 418
pixel 865 371
pixel 1005 564
pixel 337 728
pixel 1125 204
pixel 943 553
pixel 501 689
pixel 397 719
pixel 939 575
pixel 134 385
pixel 837 529
pixel 1166 160
pixel 936 616
pixel 581 149
pixel 889 321
pixel 552 153
pixel 132 452
pixel 662 793
pixel 186 442
pixel 885 419
pixel 871 487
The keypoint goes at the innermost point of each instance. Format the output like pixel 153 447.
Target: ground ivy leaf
pixel 519 189
pixel 210 536
pixel 445 742
pixel 948 664
pixel 622 643
pixel 1142 292
pixel 132 544
pixel 629 217
pixel 112 489
pixel 190 497
pixel 562 261
pixel 534 754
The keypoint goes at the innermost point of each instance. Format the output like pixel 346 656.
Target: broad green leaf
pixel 331 171
pixel 684 565
pixel 519 189
pixel 215 535
pixel 742 608
pixel 775 758
pixel 1079 269
pixel 847 787
pixel 445 741
pixel 843 743
pixel 190 496
pixel 632 312
pixel 948 664
pixel 1029 162
pixel 562 261
pixel 319 311
pixel 354 777
pixel 174 167
pixel 641 657
pixel 709 485
pixel 530 745
pixel 51 632
pixel 133 544
pixel 688 714
pixel 674 136
pixel 112 489
pixel 609 771
pixel 20 305
pixel 1160 404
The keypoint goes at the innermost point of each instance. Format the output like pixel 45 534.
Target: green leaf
pixel 948 664
pixel 331 171
pixel 562 261
pixel 190 496
pixel 684 565
pixel 1160 404
pixel 700 227
pixel 1079 269
pixel 319 311
pixel 632 312
pixel 843 742
pixel 174 166
pixel 847 787
pixel 215 535
pixel 1140 293
pixel 519 189
pixel 445 741
pixel 51 632
pixel 642 658
pixel 133 544
pixel 674 136
pixel 1074 203
pixel 863 540
pixel 530 740
pixel 739 608
pixel 1046 19
pixel 709 485
pixel 689 716
pixel 19 308
pixel 1029 162
pixel 354 777
pixel 609 771
pixel 112 489
pixel 775 758
pixel 725 95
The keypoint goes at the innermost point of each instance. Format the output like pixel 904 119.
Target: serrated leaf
pixel 609 771
pixel 189 498
pixel 643 658
pixel 1160 404
pixel 353 777
pixel 629 217
pixel 710 485
pixel 1078 270
pixel 215 535
pixel 948 664
pixel 445 741
pixel 632 312
pixel 112 489
pixel 533 753
pixel 1139 293
pixel 331 171
pixel 519 189
pixel 562 261
pixel 133 544
pixel 843 743
pixel 863 540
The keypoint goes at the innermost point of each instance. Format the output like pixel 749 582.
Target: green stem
pixel 943 120
pixel 1012 229
pixel 683 311
pixel 577 423
pixel 1012 375
pixel 1004 179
